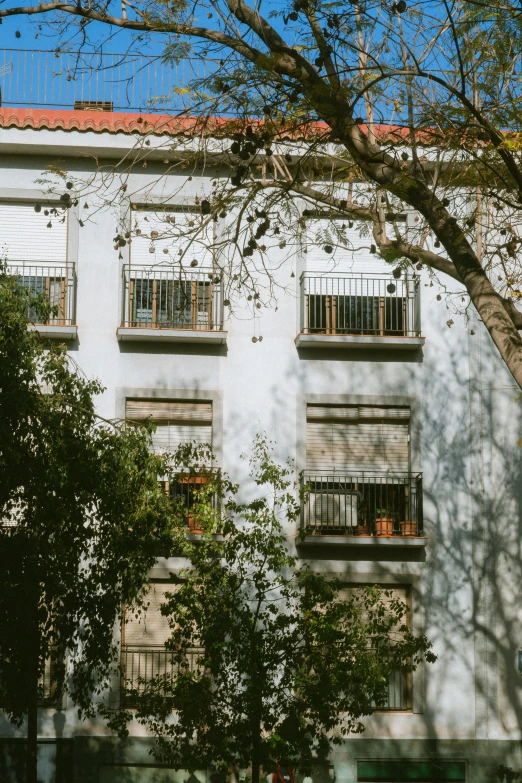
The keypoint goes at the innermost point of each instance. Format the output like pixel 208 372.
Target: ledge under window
pixel 199 336
pixel 55 331
pixel 160 304
pixel 367 542
pixel 369 342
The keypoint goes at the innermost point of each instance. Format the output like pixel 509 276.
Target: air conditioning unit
pixel 332 511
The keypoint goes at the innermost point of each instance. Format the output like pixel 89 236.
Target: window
pixel 52 682
pixel 170 304
pixel 347 290
pixel 399 696
pixel 143 638
pixel 53 288
pixel 177 422
pixel 35 248
pixel 326 253
pixel 367 313
pixel 163 235
pixel 358 472
pixel 400 771
pixel 357 438
pixel 170 279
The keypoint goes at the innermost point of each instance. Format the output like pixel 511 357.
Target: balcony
pixel 359 311
pixel 160 305
pixel 58 285
pixel 141 665
pixel 399 696
pixel 363 509
pixel 184 490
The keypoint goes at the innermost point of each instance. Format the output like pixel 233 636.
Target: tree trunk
pixel 256 764
pixel 32 702
pixel 382 168
pixel 32 744
pixel 256 741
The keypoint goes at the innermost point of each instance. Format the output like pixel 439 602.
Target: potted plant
pixel 384 522
pixel 363 528
pixel 409 527
pixel 196 482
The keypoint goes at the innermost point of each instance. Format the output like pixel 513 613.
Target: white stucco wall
pixel 466 586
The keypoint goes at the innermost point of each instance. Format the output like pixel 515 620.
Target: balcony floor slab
pixel 207 337
pixel 55 331
pixel 374 542
pixel 366 341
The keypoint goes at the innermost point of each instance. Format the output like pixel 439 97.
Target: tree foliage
pixel 417 102
pixel 82 516
pixel 285 665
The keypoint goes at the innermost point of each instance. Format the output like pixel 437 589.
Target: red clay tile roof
pixel 164 124
pixel 96 121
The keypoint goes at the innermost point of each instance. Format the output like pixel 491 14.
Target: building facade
pixel 405 428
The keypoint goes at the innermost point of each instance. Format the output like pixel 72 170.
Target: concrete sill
pixel 367 341
pixel 197 537
pixel 136 334
pixel 54 331
pixel 375 542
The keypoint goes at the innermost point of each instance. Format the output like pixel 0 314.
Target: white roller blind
pixel 24 235
pixel 321 233
pixel 162 237
pixel 180 411
pixel 355 439
pixel 176 422
pixel 150 628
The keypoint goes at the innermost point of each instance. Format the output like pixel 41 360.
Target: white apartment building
pixel 405 428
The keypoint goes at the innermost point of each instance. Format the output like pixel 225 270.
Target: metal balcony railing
pixel 99 80
pixel 56 283
pixel 130 81
pixel 140 665
pixel 360 304
pixel 185 488
pixel 51 684
pixel 159 298
pixel 362 504
pixel 399 692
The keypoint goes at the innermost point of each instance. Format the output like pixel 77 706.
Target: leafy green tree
pixel 285 668
pixel 417 102
pixel 82 519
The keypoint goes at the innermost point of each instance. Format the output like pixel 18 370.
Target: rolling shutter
pixel 343 259
pixel 151 628
pixel 397 593
pixel 24 235
pixel 353 439
pixel 162 239
pixel 177 422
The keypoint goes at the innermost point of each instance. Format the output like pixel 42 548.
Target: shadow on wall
pixel 472 466
pixel 166 348
pixel 389 355
pixel 55 760
pixel 472 463
pixel 148 774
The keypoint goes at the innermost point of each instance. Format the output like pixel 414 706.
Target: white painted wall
pixel 468 585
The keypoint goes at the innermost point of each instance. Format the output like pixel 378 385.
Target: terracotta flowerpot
pixel 193 525
pixel 384 526
pixel 363 530
pixel 409 528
